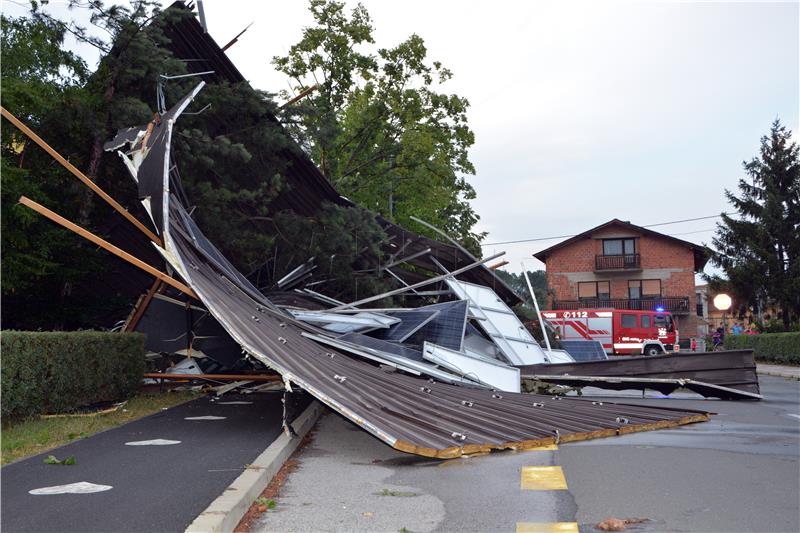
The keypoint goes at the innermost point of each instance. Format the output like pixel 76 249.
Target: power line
pixel 692 232
pixel 685 220
pixel 568 236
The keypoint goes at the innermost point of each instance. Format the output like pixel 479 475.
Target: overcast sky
pixel 582 112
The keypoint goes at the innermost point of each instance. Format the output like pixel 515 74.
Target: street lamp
pixel 722 302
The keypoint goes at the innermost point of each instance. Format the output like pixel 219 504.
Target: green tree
pixel 517 282
pixel 377 125
pixel 759 250
pixel 342 241
pixel 41 85
pixel 229 155
pixel 232 162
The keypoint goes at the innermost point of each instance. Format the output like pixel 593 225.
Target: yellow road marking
pixel 546 447
pixel 542 478
pixel 545 527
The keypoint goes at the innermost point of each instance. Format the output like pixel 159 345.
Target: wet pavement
pixel 349 481
pixel 153 487
pixel 738 472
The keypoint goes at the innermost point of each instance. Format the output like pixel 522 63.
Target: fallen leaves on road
pixel 274 486
pixel 53 460
pixel 618 524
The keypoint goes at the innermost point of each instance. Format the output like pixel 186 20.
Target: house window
pixel 594 289
pixel 628 321
pixel 587 290
pixel 619 246
pixel 651 288
pixel 603 290
pixel 699 300
pixel 634 289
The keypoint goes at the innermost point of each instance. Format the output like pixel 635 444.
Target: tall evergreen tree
pixel 229 159
pixel 759 250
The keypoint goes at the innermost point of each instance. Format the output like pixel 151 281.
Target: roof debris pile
pixel 435 381
pixel 439 380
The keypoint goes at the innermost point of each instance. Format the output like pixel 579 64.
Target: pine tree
pixel 759 250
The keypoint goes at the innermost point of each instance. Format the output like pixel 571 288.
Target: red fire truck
pixel 621 332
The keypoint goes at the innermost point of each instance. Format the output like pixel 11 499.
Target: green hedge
pixel 774 347
pixel 57 372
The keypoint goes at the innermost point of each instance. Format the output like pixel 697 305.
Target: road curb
pixel 778 374
pixel 227 510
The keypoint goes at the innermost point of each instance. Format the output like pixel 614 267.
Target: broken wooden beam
pixel 214 377
pixel 88 235
pixel 80 175
pixel 301 95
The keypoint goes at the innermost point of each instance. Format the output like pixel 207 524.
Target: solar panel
pixel 410 323
pixel 447 328
pixel 500 323
pixel 382 346
pixel 585 350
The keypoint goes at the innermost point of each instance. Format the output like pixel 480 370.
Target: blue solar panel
pixel 382 346
pixel 410 322
pixel 585 350
pixel 447 328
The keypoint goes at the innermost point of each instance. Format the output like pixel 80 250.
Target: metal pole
pixel 202 13
pixel 536 306
pixel 417 285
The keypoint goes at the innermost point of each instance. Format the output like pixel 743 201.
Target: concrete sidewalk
pixel 348 480
pixel 782 371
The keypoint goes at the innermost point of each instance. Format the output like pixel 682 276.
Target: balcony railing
pixel 677 305
pixel 617 262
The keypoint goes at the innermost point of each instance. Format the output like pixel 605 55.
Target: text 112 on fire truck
pixel 621 332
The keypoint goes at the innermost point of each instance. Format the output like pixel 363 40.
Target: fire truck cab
pixel 621 332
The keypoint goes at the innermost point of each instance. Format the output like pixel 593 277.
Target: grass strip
pixel 33 436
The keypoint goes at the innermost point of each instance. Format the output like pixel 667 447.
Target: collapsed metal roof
pixel 412 414
pixel 729 374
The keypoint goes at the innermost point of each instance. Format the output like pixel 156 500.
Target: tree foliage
pixel 517 282
pixel 41 85
pixel 228 154
pixel 341 240
pixel 377 124
pixel 231 163
pixel 759 250
pixel 232 159
pixel 47 271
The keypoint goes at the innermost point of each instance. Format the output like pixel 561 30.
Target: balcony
pixel 677 305
pixel 618 262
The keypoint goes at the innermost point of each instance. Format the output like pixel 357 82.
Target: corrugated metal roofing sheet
pixel 409 413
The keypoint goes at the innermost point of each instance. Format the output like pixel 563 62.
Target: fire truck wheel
pixel 653 349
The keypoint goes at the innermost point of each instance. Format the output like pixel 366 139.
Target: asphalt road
pixel 155 488
pixel 350 481
pixel 738 472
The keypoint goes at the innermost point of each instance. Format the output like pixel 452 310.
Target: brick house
pixel 624 266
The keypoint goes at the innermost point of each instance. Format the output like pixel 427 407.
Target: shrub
pixel 57 372
pixel 774 347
